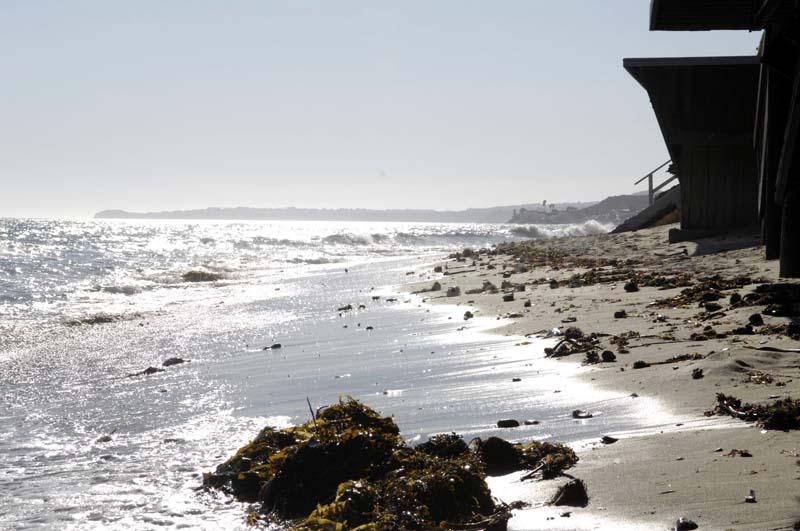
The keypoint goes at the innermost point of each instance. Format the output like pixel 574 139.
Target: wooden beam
pixel 765 12
pixel 790 140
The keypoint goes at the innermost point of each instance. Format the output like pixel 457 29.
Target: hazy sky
pixel 168 104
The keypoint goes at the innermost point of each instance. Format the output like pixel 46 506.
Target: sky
pixel 445 104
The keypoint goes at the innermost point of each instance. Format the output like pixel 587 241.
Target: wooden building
pixel 708 130
pixel 775 109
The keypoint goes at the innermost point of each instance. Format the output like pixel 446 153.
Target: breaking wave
pixel 539 232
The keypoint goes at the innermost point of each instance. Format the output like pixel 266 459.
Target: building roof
pixel 698 15
pixel 700 100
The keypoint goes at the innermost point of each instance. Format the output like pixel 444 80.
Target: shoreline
pixel 648 481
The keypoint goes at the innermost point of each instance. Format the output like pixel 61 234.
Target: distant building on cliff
pixel 731 123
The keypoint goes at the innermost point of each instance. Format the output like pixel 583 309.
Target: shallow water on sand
pixel 64 388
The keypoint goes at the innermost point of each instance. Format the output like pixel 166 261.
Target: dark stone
pixel 437 269
pixel 581 414
pixel 173 361
pixel 592 357
pixel 697 373
pixel 631 287
pixel 712 307
pixel 572 493
pixel 573 332
pixel 499 456
pixel 437 286
pixel 468 315
pixel 527 304
pixel 735 299
pixel 345 308
pixel 684 524
pixel 507 423
pixel 620 314
pixel 608 356
pixel 531 422
pixel 508 297
pixel 147 372
pixel 607 439
pixel 756 319
pixel 639 364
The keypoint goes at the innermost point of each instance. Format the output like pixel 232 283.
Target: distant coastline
pixel 610 209
pixel 500 214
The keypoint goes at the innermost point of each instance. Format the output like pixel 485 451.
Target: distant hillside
pixel 613 209
pixel 499 214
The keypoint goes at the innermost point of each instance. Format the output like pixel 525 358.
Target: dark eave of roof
pixel 708 101
pixel 701 15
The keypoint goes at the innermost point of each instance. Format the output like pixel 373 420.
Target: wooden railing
pixel 650 190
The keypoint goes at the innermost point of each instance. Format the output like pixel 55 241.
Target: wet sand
pixel 648 481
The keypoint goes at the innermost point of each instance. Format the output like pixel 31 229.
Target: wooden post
pixel 790 232
pixel 650 188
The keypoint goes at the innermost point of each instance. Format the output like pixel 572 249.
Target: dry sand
pixel 649 481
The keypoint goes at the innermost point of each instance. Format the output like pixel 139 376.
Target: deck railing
pixel 650 190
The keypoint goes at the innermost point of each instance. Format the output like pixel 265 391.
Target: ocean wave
pixel 313 261
pixel 346 238
pixel 538 232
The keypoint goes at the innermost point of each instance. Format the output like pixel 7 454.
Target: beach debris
pixel 200 276
pixel 454 291
pixel 639 364
pixel 697 373
pixel 502 457
pixel 275 346
pixel 445 445
pixel 573 493
pixel 581 414
pixel 349 468
pixel 608 356
pixel 684 524
pixel 169 362
pixel 738 453
pixel 508 297
pixel 516 379
pixel 591 358
pixel 468 315
pixel 751 497
pixel 607 439
pixel 620 314
pixel 345 308
pixel 783 414
pixel 631 287
pixel 147 372
pixel 507 423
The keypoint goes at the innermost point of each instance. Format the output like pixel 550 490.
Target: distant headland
pixel 621 206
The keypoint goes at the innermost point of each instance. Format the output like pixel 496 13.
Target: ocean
pixel 86 304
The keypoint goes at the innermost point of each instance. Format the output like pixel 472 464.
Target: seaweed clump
pixel 783 414
pixel 348 468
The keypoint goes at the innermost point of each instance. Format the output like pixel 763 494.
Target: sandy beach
pixel 687 320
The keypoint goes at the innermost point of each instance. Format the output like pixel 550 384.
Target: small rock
pixel 200 276
pixel 527 304
pixel 712 307
pixel 631 287
pixel 516 379
pixel 455 291
pixel 345 308
pixel 531 422
pixel 507 423
pixel 437 269
pixel 684 524
pixel 508 297
pixel 554 284
pixel 697 373
pixel 104 439
pixel 581 414
pixel 607 439
pixel 468 315
pixel 173 361
pixel 639 364
pixel 756 319
pixel 608 356
pixel 620 314
pixel 572 493
pixel 437 286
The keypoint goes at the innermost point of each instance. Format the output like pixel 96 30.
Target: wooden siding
pixel 718 187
